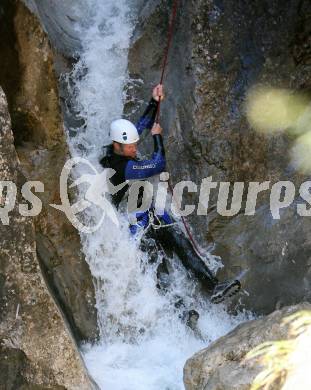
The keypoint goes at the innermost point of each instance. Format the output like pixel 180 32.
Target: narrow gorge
pixel 82 310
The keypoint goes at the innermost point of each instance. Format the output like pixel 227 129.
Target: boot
pixel 224 290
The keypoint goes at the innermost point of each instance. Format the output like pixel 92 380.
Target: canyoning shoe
pixel 225 290
pixel 163 276
pixel 192 319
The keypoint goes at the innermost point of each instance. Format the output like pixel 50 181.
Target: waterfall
pixel 143 341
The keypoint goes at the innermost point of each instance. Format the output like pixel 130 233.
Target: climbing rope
pixel 227 288
pixel 166 52
pixel 165 60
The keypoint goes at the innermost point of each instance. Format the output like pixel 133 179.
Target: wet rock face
pixel 36 348
pixel 60 19
pixel 277 254
pixel 220 50
pixel 13 367
pixel 29 80
pixel 221 366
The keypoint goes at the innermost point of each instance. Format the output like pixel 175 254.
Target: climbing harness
pixel 152 217
pixel 159 225
pixel 153 222
pixel 227 288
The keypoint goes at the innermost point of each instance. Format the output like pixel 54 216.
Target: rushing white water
pixel 144 342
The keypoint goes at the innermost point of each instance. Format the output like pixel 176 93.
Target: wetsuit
pixel 127 168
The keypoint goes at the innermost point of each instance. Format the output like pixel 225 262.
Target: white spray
pixel 144 342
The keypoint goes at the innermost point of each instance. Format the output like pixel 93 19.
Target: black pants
pixel 172 239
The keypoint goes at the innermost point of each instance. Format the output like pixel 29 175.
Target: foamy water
pixel 144 342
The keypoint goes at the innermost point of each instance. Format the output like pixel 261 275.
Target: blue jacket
pixel 143 169
pixel 133 169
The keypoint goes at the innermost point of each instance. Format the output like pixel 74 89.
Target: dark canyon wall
pixel 220 50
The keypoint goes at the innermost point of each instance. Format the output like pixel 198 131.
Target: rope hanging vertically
pixel 167 49
pixel 165 59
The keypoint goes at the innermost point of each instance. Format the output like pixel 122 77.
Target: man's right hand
pixel 156 129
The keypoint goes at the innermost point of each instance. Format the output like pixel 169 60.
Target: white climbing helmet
pixel 123 131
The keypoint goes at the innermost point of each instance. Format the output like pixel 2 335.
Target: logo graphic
pixel 94 188
pixel 99 186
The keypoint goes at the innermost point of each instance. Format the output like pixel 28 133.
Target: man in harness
pixel 121 156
